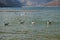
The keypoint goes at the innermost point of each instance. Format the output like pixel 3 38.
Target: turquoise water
pixel 30 8
pixel 28 31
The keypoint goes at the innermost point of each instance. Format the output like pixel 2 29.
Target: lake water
pixel 26 30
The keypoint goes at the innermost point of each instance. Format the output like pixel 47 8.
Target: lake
pixel 40 30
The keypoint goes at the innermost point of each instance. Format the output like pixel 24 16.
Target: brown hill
pixel 53 4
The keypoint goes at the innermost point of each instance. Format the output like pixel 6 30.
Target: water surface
pixel 28 31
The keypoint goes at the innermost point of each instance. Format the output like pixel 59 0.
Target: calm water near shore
pixel 28 31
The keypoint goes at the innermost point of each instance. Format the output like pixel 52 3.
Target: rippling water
pixel 28 31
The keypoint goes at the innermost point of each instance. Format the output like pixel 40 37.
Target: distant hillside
pixel 10 3
pixel 53 4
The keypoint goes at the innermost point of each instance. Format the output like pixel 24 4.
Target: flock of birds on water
pixel 48 23
pixel 33 22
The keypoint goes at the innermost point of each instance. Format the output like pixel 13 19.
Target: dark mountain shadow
pixel 10 3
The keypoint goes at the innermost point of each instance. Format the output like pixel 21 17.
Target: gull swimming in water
pixel 49 22
pixel 6 24
pixel 22 22
pixel 33 22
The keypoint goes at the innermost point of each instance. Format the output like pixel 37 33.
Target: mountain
pixel 20 3
pixel 10 3
pixel 34 2
pixel 41 2
pixel 53 3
